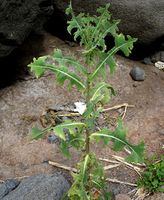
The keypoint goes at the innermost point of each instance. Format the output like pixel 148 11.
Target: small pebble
pixel 137 74
pixel 52 139
pixel 135 85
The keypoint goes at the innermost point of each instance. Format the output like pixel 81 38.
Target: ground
pixel 22 104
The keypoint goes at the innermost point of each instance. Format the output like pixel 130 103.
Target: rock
pixel 40 187
pixel 147 61
pixel 18 19
pixel 122 197
pixel 8 186
pixel 141 19
pixel 159 65
pixel 137 74
pixel 52 138
pixel 158 56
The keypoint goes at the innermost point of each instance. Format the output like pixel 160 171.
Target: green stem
pixel 87 139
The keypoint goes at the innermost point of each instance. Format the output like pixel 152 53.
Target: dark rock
pixel 40 187
pixel 52 138
pixel 137 74
pixel 158 56
pixel 18 19
pixel 141 19
pixel 147 61
pixel 8 186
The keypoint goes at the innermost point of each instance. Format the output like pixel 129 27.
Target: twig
pixel 109 161
pixel 137 169
pixel 140 194
pixel 132 191
pixel 69 115
pixel 111 166
pixel 121 182
pixel 119 158
pixel 55 164
pixel 117 107
pixel 124 112
pixel 127 151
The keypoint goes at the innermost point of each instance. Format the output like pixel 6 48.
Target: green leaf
pixel 76 24
pixel 36 133
pixel 64 146
pixel 112 64
pixel 120 44
pixel 73 127
pixel 84 167
pixel 68 10
pixel 39 71
pixel 57 56
pixel 118 137
pixel 137 153
pixel 61 72
pixel 101 92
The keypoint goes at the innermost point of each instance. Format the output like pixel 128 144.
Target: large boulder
pixel 18 18
pixel 40 187
pixel 139 18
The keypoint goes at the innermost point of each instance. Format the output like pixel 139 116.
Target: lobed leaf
pixel 39 66
pixel 92 30
pixel 57 56
pixel 73 128
pixel 39 71
pixel 107 58
pixel 118 137
pixel 101 92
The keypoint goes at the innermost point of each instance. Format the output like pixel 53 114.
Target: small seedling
pixel 152 179
pixel 90 79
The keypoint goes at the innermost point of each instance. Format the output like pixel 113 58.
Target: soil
pixel 22 104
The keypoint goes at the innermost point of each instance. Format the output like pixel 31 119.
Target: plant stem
pixel 87 139
pixel 87 142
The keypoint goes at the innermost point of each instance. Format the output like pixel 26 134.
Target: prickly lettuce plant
pixel 90 80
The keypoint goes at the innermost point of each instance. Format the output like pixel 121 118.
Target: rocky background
pixel 19 19
pixel 28 29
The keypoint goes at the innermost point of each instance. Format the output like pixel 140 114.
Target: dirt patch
pixel 22 104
